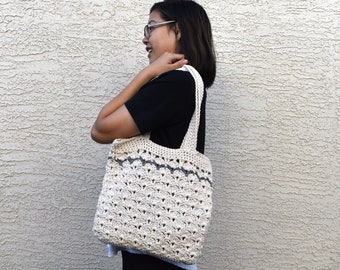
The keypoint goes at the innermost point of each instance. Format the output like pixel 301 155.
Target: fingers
pixel 175 56
pixel 180 63
pixel 167 62
pixel 176 60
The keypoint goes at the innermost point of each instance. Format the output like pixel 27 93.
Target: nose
pixel 145 41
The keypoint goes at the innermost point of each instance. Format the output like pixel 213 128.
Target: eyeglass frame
pixel 149 27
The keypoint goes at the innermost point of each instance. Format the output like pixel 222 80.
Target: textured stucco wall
pixel 272 135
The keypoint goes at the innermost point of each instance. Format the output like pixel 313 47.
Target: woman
pixel 161 98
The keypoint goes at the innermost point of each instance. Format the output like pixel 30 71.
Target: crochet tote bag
pixel 156 199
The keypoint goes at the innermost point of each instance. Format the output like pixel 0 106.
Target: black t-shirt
pixel 165 106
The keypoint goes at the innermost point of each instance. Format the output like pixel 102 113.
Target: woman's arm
pixel 114 120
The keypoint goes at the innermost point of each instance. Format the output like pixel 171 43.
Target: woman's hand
pixel 166 62
pixel 114 120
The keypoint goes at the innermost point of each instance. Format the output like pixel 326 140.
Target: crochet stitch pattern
pixel 159 166
pixel 156 199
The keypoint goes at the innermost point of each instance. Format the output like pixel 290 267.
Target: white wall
pixel 272 131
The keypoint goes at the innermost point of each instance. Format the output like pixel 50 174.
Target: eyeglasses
pixel 149 27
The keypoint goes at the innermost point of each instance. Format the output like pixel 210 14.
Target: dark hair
pixel 196 36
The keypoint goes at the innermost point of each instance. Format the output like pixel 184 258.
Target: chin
pixel 152 58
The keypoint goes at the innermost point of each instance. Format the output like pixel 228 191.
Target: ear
pixel 178 32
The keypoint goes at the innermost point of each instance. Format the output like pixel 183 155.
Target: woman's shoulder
pixel 171 84
pixel 177 77
pixel 176 83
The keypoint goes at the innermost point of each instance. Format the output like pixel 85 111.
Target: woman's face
pixel 162 39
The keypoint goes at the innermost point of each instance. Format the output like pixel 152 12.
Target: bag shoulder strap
pixel 190 138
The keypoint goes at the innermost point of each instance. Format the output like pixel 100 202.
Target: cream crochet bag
pixel 156 199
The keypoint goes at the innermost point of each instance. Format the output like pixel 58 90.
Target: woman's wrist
pixel 148 73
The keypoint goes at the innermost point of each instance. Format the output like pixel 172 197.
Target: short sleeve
pixel 164 102
pixel 164 108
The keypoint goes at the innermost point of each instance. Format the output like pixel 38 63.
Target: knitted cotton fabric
pixel 156 199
